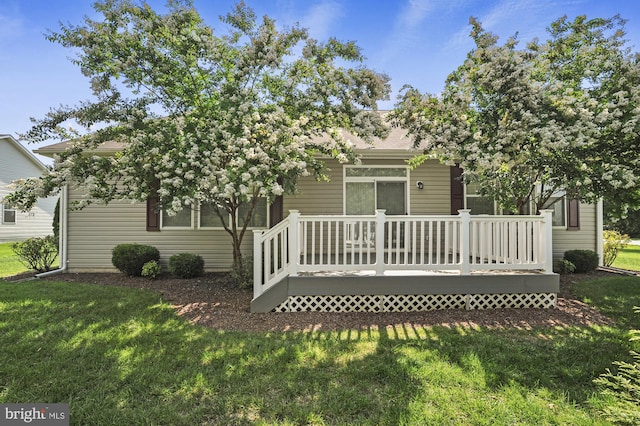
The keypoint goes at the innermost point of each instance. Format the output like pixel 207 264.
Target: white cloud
pixel 527 18
pixel 409 25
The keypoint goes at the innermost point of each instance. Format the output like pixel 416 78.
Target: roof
pixel 397 143
pixel 28 154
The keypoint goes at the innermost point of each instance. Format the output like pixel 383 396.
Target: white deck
pixel 403 248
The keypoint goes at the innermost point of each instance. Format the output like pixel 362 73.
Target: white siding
pixel 14 164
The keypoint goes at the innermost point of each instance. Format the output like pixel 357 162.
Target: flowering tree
pixel 204 118
pixel 527 123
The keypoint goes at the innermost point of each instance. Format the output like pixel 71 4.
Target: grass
pixel 628 258
pixel 122 356
pixel 9 263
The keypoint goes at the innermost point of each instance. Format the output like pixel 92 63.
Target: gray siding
pixel 15 164
pixel 315 197
pixel 94 231
pixel 97 229
pixel 585 238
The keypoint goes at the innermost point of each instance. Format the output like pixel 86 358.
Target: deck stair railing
pixel 380 243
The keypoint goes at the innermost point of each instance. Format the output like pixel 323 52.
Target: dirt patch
pixel 214 301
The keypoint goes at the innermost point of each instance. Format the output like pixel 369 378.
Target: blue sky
pixel 416 42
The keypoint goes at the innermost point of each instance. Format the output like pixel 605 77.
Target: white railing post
pixel 257 263
pixel 294 242
pixel 546 241
pixel 465 249
pixel 380 219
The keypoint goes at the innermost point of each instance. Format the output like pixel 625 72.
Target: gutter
pixel 63 235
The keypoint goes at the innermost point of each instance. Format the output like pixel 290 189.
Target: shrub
pixel 623 385
pixel 566 267
pixel 56 221
pixel 242 272
pixel 583 260
pixel 186 265
pixel 614 241
pixel 130 258
pixel 151 269
pixel 37 253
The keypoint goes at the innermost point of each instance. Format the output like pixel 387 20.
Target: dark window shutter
pixel 457 189
pixel 573 215
pixel 276 212
pixel 153 212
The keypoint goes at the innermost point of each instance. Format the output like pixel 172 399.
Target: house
pixel 378 236
pixel 17 162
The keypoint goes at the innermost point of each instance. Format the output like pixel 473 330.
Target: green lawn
pixel 121 356
pixel 628 258
pixel 9 262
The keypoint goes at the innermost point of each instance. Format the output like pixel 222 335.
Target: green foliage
pixel 614 241
pixel 37 253
pixel 151 269
pixel 622 383
pixel 56 221
pixel 625 219
pixel 186 265
pixel 131 258
pixel 583 260
pixel 242 272
pixel 566 267
pixel 527 123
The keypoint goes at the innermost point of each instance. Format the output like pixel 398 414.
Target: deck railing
pixel 380 243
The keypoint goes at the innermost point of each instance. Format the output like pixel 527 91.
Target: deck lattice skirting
pixel 414 303
pixel 472 262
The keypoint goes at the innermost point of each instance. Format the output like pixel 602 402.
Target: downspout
pixel 600 232
pixel 63 235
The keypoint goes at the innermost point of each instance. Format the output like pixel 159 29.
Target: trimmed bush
pixel 151 269
pixel 186 265
pixel 130 258
pixel 37 253
pixel 583 260
pixel 566 267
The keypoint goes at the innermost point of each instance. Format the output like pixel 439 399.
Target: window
pixel 8 215
pixel 367 189
pixel 558 205
pixel 182 219
pixel 260 218
pixel 478 204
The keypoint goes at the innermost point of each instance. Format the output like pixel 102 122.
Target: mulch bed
pixel 214 301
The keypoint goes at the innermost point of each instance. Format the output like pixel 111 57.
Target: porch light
pixel 420 184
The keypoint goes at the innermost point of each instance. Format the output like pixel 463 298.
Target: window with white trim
pixel 485 205
pixel 260 218
pixel 8 215
pixel 478 204
pixel 182 219
pixel 371 188
pixel 559 207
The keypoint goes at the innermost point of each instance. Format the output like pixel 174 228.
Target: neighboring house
pixel 17 162
pixel 425 199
